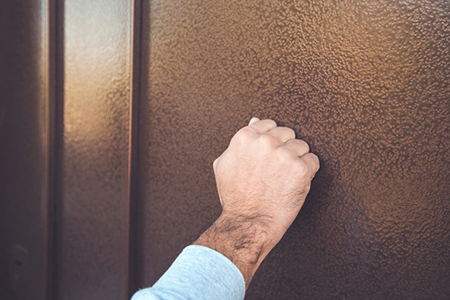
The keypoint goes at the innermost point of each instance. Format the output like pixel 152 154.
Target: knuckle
pixel 267 140
pixel 285 153
pixel 243 134
pixel 316 161
pixel 246 132
pixel 300 146
pixel 304 145
pixel 290 130
pixel 272 122
pixel 302 167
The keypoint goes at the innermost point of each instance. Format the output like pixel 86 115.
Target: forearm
pixel 245 240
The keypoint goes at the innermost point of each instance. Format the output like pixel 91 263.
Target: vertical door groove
pixel 58 140
pixel 135 70
pixel 51 151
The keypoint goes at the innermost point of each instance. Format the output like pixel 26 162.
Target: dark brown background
pixel 112 113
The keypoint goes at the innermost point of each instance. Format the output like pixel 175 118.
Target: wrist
pixel 245 240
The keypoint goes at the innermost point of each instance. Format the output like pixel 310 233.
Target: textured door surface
pixel 112 112
pixel 366 83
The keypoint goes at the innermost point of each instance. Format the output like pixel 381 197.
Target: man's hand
pixel 262 179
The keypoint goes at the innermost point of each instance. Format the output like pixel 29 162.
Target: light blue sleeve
pixel 197 273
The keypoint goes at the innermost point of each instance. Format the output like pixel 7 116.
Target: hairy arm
pixel 262 179
pixel 244 240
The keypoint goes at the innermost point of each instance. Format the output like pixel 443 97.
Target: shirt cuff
pixel 198 273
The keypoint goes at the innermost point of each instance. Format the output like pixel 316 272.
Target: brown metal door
pixel 366 83
pixel 112 113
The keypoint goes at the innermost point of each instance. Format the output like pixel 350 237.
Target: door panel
pixel 26 135
pixel 366 84
pixel 92 231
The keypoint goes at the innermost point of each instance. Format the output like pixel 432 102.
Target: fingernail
pixel 253 120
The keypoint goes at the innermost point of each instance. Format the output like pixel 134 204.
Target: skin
pixel 262 180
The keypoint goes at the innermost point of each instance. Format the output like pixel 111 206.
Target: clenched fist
pixel 262 179
pixel 265 172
